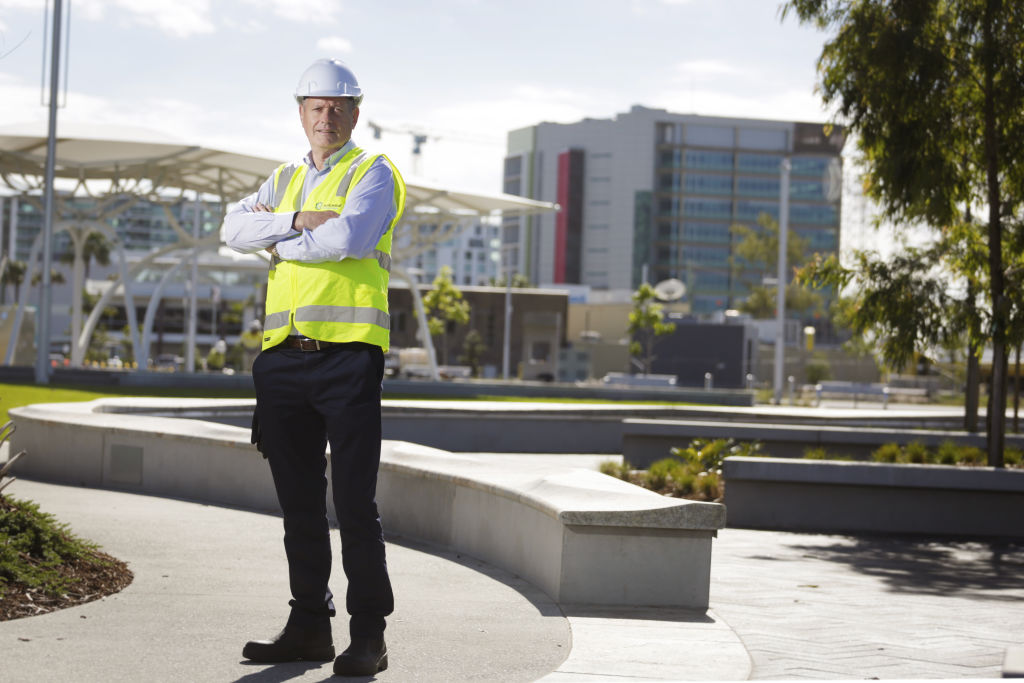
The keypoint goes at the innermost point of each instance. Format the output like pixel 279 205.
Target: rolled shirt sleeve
pixel 248 231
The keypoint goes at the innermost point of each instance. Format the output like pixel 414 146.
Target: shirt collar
pixel 331 160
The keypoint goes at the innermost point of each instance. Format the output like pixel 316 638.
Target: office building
pixel 654 194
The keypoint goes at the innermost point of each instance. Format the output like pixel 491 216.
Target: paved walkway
pixel 803 607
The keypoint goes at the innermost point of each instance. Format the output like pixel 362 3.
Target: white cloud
pixel 300 11
pixel 179 19
pixel 334 45
pixel 783 104
pixel 706 68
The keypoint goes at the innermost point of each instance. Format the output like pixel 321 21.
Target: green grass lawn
pixel 14 395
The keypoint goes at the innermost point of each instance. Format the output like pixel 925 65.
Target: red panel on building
pixel 569 221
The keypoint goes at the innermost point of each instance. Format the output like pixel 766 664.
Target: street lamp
pixel 780 292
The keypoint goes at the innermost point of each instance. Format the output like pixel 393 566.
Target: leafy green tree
pixel 932 90
pixel 473 348
pixel 445 308
pixel 14 274
pixel 646 322
pixel 756 256
pixel 96 248
pixel 56 278
pixel 519 281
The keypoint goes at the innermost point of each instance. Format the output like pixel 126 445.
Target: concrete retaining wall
pixel 854 497
pixel 579 535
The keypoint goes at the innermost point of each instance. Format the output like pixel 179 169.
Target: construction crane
pixel 420 137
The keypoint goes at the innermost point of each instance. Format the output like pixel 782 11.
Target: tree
pixel 519 281
pixel 932 90
pixel 445 308
pixel 473 351
pixel 95 248
pixel 14 274
pixel 56 278
pixel 646 322
pixel 757 253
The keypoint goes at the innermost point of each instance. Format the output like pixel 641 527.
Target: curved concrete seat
pixel 579 535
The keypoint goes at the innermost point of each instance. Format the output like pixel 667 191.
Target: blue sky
pixel 465 72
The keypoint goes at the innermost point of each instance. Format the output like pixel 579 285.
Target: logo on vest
pixel 320 206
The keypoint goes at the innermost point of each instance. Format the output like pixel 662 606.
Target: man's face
pixel 328 121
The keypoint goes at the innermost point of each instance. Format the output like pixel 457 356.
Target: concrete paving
pixel 783 606
pixel 207 579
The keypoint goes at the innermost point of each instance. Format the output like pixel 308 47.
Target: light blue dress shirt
pixel 366 216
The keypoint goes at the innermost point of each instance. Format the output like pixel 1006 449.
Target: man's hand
pixel 311 220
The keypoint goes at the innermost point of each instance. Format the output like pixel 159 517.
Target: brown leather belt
pixel 307 344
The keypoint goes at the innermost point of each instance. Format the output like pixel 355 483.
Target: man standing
pixel 327 222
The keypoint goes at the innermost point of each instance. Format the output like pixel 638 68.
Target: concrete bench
pixel 581 536
pixel 855 389
pixel 1013 662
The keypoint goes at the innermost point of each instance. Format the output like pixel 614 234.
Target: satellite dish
pixel 670 290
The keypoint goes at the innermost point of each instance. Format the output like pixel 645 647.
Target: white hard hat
pixel 328 78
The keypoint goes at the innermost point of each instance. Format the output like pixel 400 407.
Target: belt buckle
pixel 307 344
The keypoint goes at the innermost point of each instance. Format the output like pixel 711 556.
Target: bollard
pixel 750 380
pixel 791 381
pixel 707 381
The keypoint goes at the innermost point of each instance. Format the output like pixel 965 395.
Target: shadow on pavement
pixel 278 673
pixel 546 607
pixel 976 569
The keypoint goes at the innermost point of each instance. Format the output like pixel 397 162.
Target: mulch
pixel 92 577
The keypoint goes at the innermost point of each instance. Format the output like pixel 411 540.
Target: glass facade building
pixel 655 195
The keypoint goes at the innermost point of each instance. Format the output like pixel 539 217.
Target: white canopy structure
pixel 118 167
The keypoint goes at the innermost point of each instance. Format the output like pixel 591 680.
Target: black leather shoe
pixel 313 644
pixel 364 657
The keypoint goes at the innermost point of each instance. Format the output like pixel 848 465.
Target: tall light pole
pixel 42 374
pixel 780 294
pixel 193 296
pixel 506 342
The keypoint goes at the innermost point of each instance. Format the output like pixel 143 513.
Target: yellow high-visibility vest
pixel 336 301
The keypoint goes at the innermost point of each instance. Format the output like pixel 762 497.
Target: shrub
pixel 1013 457
pixel 889 452
pixel 972 455
pixel 916 453
pixel 818 370
pixel 708 485
pixel 619 470
pixel 815 454
pixel 663 472
pixel 33 545
pixel 948 453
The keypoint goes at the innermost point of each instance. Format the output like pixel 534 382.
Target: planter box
pixel 855 497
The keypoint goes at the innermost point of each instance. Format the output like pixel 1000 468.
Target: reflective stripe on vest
pixel 340 300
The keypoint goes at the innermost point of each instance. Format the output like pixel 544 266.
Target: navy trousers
pixel 305 400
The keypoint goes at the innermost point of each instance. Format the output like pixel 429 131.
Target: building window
pixel 759 163
pixel 711 161
pixel 749 211
pixel 707 208
pixel 809 166
pixel 696 183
